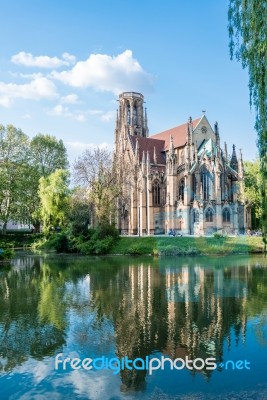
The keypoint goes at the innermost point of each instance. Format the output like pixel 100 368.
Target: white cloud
pixel 28 60
pixel 108 116
pixel 106 73
pixel 69 99
pixel 63 111
pixel 37 89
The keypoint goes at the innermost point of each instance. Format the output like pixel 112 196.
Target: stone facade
pixel 181 179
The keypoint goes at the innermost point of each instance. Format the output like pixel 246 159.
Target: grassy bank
pixel 158 246
pixel 188 245
pixel 18 240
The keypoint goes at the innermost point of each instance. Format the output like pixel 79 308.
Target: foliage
pixel 23 163
pixel 14 153
pixel 252 191
pixel 105 178
pixel 248 43
pixel 100 240
pixel 48 154
pixel 59 242
pixel 54 194
pixel 6 254
pixel 79 212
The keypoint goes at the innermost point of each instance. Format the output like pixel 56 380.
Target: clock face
pixel 204 129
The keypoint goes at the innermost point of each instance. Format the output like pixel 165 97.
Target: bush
pixel 96 246
pixel 58 242
pixel 105 230
pixel 135 250
pixel 6 254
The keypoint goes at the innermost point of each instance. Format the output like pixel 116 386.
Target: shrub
pixel 58 242
pixel 135 250
pixel 6 254
pixel 105 230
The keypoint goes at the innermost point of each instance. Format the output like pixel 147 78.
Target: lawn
pixel 188 245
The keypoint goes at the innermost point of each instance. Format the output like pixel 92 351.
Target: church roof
pixel 148 145
pixel 178 133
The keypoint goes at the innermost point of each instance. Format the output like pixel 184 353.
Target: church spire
pixel 240 164
pixel 234 162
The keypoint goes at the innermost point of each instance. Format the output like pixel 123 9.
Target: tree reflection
pixel 129 306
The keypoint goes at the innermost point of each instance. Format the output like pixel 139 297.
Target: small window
pixel 209 215
pixel 226 215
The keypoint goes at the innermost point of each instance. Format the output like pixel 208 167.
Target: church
pixel 181 180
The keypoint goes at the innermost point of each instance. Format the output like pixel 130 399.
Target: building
pixel 181 179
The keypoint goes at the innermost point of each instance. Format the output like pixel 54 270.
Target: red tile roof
pixel 148 145
pixel 178 133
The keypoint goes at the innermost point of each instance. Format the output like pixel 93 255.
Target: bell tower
pixel 131 116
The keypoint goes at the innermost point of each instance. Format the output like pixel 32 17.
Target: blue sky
pixel 63 63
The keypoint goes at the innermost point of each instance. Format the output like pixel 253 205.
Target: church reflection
pixel 182 310
pixel 133 307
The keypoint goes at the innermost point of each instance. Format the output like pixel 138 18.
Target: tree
pixel 93 171
pixel 54 195
pixel 248 43
pixel 14 157
pixel 252 191
pixel 79 211
pixel 104 177
pixel 48 154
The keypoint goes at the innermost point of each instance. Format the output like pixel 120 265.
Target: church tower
pixel 131 117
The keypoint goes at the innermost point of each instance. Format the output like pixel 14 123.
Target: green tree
pixel 54 197
pixel 248 43
pixel 14 158
pixel 252 191
pixel 48 154
pixel 79 211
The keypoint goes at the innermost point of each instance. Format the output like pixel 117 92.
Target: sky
pixel 63 64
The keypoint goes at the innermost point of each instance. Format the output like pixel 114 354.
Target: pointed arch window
pixel 181 190
pixel 156 194
pixel 135 115
pixel 226 215
pixel 209 215
pixel 206 181
pixel 128 114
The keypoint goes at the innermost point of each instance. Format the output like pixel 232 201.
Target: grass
pixel 188 245
pixel 18 240
pixel 158 246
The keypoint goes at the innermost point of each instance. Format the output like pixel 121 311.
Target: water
pixel 135 307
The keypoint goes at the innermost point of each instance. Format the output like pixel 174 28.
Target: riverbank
pixel 157 246
pixel 172 246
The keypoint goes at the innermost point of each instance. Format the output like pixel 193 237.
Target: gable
pixel 203 132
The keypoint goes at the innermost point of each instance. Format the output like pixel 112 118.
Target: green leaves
pixel 22 163
pixel 248 43
pixel 53 193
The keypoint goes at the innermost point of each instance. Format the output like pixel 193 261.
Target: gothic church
pixel 183 181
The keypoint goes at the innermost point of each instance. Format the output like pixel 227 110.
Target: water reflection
pixel 195 307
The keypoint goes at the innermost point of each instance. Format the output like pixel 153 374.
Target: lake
pixel 153 311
